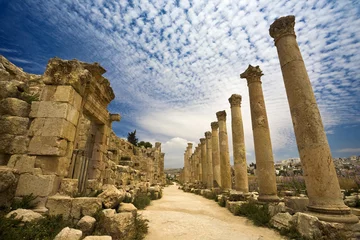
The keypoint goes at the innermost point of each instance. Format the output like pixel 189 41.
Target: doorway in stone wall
pixel 83 151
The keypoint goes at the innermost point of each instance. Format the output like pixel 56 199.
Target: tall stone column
pixel 265 169
pixel 199 161
pixel 325 199
pixel 224 151
pixel 203 160
pixel 209 163
pixel 240 165
pixel 215 154
pixel 189 152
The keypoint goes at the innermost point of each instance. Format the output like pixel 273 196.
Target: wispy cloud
pixel 175 63
pixel 349 150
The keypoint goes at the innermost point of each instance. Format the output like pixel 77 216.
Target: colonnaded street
pixel 180 215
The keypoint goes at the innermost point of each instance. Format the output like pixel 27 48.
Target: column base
pixel 335 214
pixel 268 198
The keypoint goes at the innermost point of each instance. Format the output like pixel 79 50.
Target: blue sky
pixel 174 64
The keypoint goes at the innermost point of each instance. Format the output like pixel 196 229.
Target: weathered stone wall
pixel 55 135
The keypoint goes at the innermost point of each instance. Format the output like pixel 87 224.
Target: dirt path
pixel 180 215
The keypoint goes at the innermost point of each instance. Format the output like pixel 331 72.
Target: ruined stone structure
pixel 215 154
pixel 325 200
pixel 56 134
pixel 240 165
pixel 224 151
pixel 263 150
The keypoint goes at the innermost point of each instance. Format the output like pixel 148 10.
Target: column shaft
pixel 203 160
pixel 215 154
pixel 239 153
pixel 224 151
pixel 319 171
pixel 209 163
pixel 265 169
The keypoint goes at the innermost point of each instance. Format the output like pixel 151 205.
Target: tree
pixel 145 144
pixel 132 138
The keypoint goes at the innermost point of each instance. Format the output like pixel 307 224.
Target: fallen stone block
pixel 111 196
pixel 281 221
pixel 86 224
pixel 128 207
pixel 69 233
pixel 85 206
pixel 59 205
pixel 25 215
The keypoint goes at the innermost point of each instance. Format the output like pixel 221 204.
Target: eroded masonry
pixel 56 137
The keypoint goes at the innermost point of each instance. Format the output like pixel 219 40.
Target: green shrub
pixel 29 98
pixel 222 201
pixel 141 201
pixel 43 229
pixel 141 226
pixel 292 233
pixel 127 199
pixel 125 158
pixel 259 214
pixel 27 202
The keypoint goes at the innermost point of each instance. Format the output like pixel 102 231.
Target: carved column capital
pixel 202 140
pixel 252 74
pixel 208 135
pixel 221 115
pixel 235 100
pixel 190 145
pixel 214 125
pixel 282 26
pixel 114 117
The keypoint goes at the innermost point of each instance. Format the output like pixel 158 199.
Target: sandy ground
pixel 180 215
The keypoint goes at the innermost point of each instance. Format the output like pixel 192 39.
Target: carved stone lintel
pixel 208 135
pixel 202 140
pixel 214 125
pixel 115 117
pixel 221 115
pixel 235 100
pixel 252 74
pixel 282 26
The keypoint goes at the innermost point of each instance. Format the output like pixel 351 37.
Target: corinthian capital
pixel 252 74
pixel 221 115
pixel 235 100
pixel 282 26
pixel 202 140
pixel 214 125
pixel 208 135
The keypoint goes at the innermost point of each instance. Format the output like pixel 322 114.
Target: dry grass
pixel 347 183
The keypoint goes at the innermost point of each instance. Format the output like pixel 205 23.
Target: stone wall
pixel 56 136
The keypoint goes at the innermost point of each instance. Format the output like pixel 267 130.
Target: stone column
pixel 199 161
pixel 189 152
pixel 215 154
pixel 265 169
pixel 203 160
pixel 209 163
pixel 240 165
pixel 224 151
pixel 186 168
pixel 325 199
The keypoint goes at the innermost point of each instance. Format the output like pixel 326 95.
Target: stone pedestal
pixel 203 160
pixel 224 151
pixel 325 200
pixel 240 165
pixel 215 154
pixel 209 163
pixel 265 169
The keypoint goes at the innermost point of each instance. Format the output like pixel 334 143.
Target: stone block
pixel 307 225
pixel 119 225
pixel 14 125
pixel 25 215
pixel 22 163
pixel 64 94
pixel 72 115
pixel 77 101
pixel 128 207
pixel 59 205
pixel 85 206
pixel 40 185
pixel 53 165
pixel 281 221
pixel 48 93
pixel 47 145
pixel 57 127
pixel 34 109
pixel 19 145
pixel 104 237
pixel 232 206
pixel 86 224
pixel 297 204
pixel 8 181
pixel 275 208
pixel 49 109
pixel 14 107
pixel 68 186
pixel 69 233
pixel 111 196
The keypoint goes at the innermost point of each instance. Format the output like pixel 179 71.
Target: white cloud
pixel 174 69
pixel 349 150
